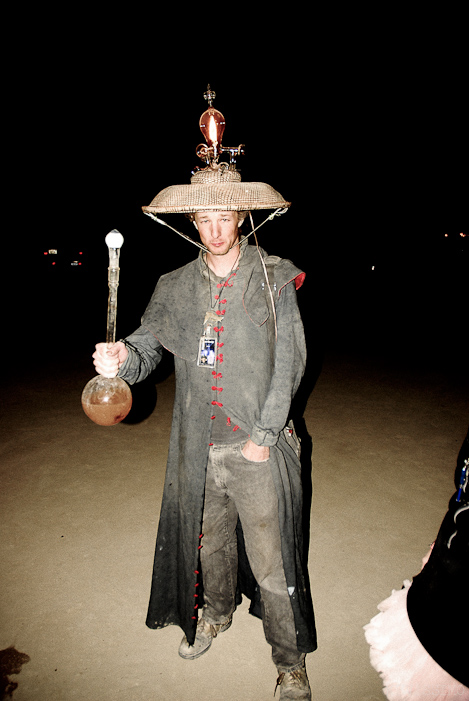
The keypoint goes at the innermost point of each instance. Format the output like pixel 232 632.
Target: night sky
pixel 364 134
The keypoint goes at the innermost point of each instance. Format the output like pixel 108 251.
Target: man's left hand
pixel 255 453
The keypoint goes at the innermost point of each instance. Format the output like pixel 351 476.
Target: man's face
pixel 218 231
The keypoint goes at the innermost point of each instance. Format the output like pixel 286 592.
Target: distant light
pixel 372 267
pixel 53 251
pixel 446 236
pixel 463 235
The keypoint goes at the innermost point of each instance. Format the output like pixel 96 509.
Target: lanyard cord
pixel 225 279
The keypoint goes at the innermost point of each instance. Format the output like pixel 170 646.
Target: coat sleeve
pixel 289 366
pixel 145 352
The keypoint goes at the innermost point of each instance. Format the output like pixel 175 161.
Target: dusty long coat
pixel 254 382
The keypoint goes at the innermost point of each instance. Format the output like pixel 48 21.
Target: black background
pixel 359 121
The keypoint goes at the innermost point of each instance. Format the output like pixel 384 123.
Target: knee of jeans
pixel 273 582
pixel 274 586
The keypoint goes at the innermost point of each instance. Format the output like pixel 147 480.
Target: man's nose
pixel 216 231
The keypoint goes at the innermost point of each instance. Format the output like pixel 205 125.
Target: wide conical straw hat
pixel 214 189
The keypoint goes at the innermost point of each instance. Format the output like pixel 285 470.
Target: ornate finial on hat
pixel 212 126
pixel 210 95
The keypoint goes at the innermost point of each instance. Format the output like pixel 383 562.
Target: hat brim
pixel 229 196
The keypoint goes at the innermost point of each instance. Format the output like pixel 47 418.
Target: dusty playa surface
pixel 383 422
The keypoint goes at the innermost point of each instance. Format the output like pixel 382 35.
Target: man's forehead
pixel 218 213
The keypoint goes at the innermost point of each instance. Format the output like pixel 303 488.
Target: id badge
pixel 206 357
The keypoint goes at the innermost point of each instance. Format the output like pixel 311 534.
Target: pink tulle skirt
pixel 407 670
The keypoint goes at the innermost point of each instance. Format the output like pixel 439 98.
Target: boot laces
pixel 295 679
pixel 207 628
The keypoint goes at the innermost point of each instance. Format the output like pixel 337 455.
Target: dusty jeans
pixel 235 486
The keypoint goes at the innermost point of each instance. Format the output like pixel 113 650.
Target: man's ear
pixel 241 220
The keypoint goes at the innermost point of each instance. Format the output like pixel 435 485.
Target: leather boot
pixel 203 638
pixel 294 685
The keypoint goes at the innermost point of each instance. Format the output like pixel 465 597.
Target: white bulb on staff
pixel 114 239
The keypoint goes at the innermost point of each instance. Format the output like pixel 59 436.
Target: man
pixel 231 512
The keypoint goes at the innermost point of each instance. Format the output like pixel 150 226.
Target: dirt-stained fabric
pixel 253 383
